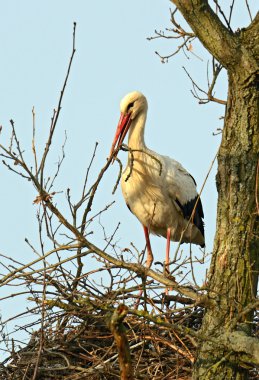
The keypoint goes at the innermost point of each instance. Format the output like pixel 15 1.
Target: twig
pixel 249 11
pixel 60 161
pixel 4 279
pixel 33 141
pixel 118 330
pixel 88 169
pixel 196 203
pixel 119 176
pixel 126 148
pixel 223 15
pixel 210 97
pixel 231 11
pixel 56 113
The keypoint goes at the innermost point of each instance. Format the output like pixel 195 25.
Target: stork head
pixel 130 106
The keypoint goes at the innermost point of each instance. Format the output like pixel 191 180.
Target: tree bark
pixel 233 275
pixel 234 268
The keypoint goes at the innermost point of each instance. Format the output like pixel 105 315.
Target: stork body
pixel 156 188
pixel 162 199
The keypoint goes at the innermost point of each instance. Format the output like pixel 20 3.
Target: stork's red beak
pixel 121 131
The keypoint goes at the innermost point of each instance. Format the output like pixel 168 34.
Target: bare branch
pixel 206 25
pixel 56 114
pixel 118 330
pixel 208 93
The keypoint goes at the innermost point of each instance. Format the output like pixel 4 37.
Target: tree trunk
pixel 225 347
pixel 234 269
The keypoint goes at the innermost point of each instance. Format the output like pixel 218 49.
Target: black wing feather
pixel 129 207
pixel 198 216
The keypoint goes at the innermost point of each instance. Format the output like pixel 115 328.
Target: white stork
pixel 156 188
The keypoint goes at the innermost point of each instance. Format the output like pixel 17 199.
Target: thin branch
pixel 231 11
pixel 210 30
pixel 210 97
pixel 56 113
pixel 88 171
pixel 249 11
pixel 196 203
pixel 223 15
pixel 118 330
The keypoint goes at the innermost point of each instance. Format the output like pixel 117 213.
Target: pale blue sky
pixel 113 57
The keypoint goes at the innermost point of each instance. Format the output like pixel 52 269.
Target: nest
pixel 84 348
pixel 87 350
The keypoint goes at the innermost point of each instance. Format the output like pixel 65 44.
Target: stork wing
pixel 183 192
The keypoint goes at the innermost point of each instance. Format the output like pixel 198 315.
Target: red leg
pixel 148 262
pixel 167 254
pixel 149 250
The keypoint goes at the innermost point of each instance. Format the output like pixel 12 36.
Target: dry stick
pixel 62 290
pixel 188 37
pixel 43 311
pixel 179 31
pixel 13 273
pixel 17 141
pixel 11 141
pixel 183 344
pixel 42 335
pixel 13 170
pixel 79 269
pixel 187 354
pixel 223 14
pixel 211 87
pixel 26 371
pixel 60 161
pixel 126 148
pixel 117 328
pixel 52 266
pixel 120 263
pixel 119 176
pixel 84 196
pixel 231 11
pixel 161 34
pixel 33 141
pixel 15 295
pixel 184 44
pixel 248 8
pixel 32 248
pixel 56 113
pixel 139 269
pixel 10 259
pixel 70 206
pixel 164 323
pixel 192 269
pixel 210 97
pixel 33 309
pixel 116 355
pixel 87 210
pixel 251 306
pixel 196 203
pixel 100 212
pixel 88 170
pixel 92 192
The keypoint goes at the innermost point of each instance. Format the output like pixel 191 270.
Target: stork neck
pixel 136 133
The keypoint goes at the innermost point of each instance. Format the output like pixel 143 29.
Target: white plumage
pixel 156 188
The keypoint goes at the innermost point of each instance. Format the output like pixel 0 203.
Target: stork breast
pixel 148 201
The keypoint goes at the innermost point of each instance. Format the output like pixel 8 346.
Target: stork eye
pixel 130 106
